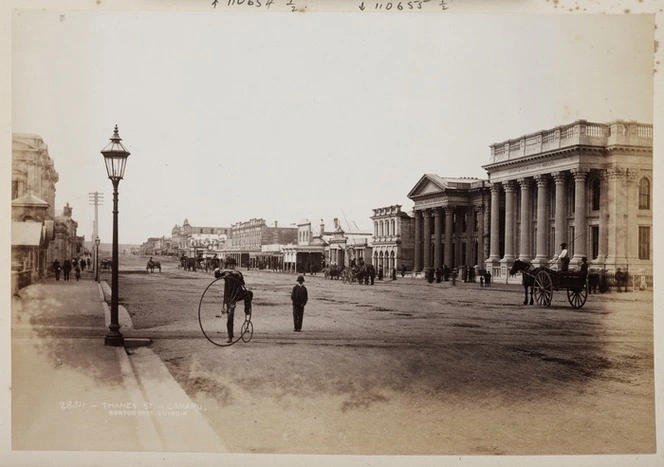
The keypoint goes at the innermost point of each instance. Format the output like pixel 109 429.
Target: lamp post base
pixel 114 340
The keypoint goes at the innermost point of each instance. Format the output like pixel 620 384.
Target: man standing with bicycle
pixel 234 291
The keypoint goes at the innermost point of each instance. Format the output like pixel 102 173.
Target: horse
pixel 332 272
pixel 528 277
pixel 152 264
pixel 191 264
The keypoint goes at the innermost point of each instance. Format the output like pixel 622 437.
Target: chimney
pixel 275 224
pixel 322 227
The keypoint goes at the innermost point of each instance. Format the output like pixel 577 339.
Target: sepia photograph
pixel 277 232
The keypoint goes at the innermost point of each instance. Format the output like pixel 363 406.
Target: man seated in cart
pixel 234 291
pixel 563 257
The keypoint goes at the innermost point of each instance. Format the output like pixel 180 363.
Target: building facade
pixel 38 236
pixel 393 238
pixel 195 241
pixel 66 244
pixel 450 222
pixel 585 184
pixel 247 238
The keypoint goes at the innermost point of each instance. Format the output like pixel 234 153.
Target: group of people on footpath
pixel 66 267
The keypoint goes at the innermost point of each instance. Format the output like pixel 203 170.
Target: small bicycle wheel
pixel 220 295
pixel 247 331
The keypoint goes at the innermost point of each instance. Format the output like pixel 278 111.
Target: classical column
pixel 526 220
pixel 580 219
pixel 510 198
pixel 449 220
pixel 418 242
pixel 560 228
pixel 437 232
pixel 494 252
pixel 427 239
pixel 603 217
pixel 458 260
pixel 481 250
pixel 541 254
pixel 632 223
pixel 470 231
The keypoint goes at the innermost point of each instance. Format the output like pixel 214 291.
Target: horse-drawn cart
pixel 547 280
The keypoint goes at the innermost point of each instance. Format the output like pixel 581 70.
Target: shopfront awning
pixel 26 233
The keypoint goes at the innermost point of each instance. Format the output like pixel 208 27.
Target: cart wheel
pixel 210 317
pixel 247 331
pixel 543 289
pixel 577 297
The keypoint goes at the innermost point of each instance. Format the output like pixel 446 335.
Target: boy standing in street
pixel 299 298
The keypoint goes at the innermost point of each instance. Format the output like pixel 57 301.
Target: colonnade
pixel 564 221
pixel 440 236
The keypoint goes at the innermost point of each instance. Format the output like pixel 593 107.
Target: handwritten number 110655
pixel 400 6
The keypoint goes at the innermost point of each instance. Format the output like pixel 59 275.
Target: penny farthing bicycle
pixel 218 299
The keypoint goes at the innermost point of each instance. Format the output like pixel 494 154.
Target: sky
pixel 285 117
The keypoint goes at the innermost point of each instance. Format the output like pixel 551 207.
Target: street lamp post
pixel 115 157
pixel 97 241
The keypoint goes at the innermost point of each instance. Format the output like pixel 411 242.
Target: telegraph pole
pixel 97 199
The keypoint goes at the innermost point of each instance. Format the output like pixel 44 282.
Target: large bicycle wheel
pixel 543 289
pixel 219 296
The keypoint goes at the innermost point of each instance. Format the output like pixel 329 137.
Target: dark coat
pixel 299 295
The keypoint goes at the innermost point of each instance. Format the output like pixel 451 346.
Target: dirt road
pixel 408 367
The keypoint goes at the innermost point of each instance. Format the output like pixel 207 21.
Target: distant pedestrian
pixel 620 278
pixel 77 270
pixel 56 269
pixel 371 270
pixel 394 274
pixel 439 274
pixel 380 273
pixel 446 273
pixel 403 270
pixel 299 297
pixel 66 269
pixel 89 262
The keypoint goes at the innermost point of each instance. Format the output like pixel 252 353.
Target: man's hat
pixel 564 245
pixel 300 278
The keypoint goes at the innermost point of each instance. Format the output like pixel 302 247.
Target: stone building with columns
pixel 585 184
pixel 450 222
pixel 392 244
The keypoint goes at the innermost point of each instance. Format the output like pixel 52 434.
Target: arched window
pixel 595 194
pixel 644 193
pixel 394 227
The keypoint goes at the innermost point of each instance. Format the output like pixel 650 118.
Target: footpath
pixel 71 392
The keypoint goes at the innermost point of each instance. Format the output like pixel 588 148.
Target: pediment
pixel 425 186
